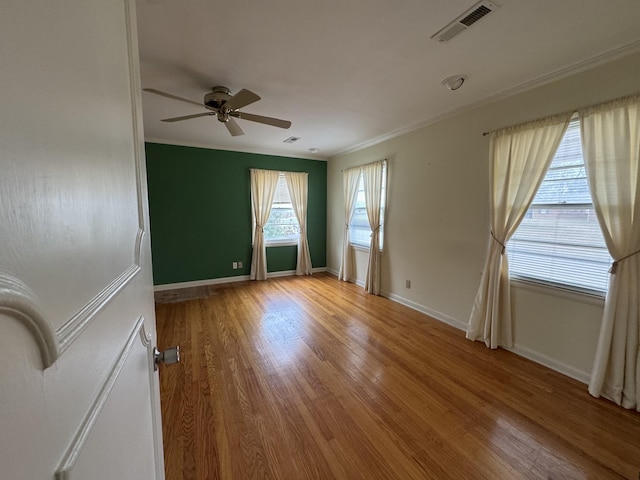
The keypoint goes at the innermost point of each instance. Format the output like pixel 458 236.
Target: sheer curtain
pixel 611 145
pixel 350 179
pixel 520 157
pixel 372 176
pixel 263 188
pixel 297 184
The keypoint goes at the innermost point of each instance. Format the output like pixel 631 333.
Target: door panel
pixel 70 124
pixel 98 445
pixel 78 394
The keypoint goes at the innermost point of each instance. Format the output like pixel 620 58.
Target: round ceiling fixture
pixel 314 150
pixel 454 82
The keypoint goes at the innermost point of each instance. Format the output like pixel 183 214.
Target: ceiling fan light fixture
pixel 455 82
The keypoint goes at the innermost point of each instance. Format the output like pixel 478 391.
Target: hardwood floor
pixel 311 378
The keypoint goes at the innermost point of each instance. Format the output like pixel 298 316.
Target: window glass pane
pixel 559 241
pixel 561 245
pixel 566 180
pixel 359 230
pixel 282 225
pixel 567 185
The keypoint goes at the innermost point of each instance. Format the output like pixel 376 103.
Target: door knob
pixel 170 356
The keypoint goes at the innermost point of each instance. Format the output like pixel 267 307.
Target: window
pixel 359 230
pixel 282 226
pixel 559 241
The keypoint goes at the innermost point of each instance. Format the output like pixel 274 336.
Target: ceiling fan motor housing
pixel 216 98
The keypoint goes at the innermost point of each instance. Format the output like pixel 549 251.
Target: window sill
pixel 283 243
pixel 362 248
pixel 583 296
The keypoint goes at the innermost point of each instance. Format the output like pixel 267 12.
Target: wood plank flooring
pixel 311 378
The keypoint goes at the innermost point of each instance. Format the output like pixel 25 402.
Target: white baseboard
pixel 219 281
pixel 288 273
pixel 358 282
pixel 200 283
pixel 519 350
pixel 282 273
pixel 551 363
pixel 443 317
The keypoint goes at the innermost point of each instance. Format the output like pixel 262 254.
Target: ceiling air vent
pixel 291 139
pixel 464 21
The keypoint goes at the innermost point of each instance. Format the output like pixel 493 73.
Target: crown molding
pixel 559 74
pixel 258 151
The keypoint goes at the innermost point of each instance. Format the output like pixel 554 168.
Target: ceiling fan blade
pixel 168 95
pixel 275 122
pixel 187 117
pixel 241 99
pixel 233 127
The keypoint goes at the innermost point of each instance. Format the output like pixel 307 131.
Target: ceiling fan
pixel 225 107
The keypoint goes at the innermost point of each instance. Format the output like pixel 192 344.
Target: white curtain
pixel 263 189
pixel 372 176
pixel 350 179
pixel 611 145
pixel 297 183
pixel 520 157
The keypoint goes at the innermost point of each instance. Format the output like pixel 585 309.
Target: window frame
pixel 281 242
pixel 277 242
pixel 383 210
pixel 557 288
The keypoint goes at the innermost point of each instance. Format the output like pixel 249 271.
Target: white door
pixel 78 394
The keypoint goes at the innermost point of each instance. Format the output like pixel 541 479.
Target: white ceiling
pixel 351 72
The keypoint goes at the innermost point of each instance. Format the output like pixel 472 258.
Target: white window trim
pixel 360 247
pixel 363 248
pixel 591 297
pixel 281 243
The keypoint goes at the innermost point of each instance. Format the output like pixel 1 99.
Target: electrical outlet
pixel 235 265
pixel 408 284
pixel 239 264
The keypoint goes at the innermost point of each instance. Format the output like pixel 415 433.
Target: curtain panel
pixel 298 185
pixel 611 146
pixel 520 157
pixel 263 189
pixel 372 176
pixel 350 179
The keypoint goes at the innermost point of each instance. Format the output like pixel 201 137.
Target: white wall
pixel 437 219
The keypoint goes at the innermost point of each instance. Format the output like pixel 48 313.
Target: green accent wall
pixel 200 211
